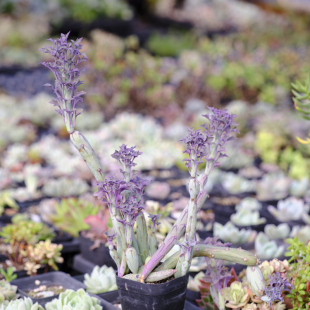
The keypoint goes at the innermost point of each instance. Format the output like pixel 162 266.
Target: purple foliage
pixel 154 218
pixel 187 245
pixel 139 185
pixel 218 131
pixel 126 156
pixel 110 191
pixel 217 275
pixel 124 197
pixel 110 234
pixel 67 57
pixel 214 241
pixel 277 285
pixel 209 144
pixel 195 143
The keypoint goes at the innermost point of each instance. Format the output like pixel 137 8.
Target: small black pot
pixel 56 278
pixel 192 296
pixel 99 256
pixel 142 296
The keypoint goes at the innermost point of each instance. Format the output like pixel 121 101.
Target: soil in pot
pixel 164 296
pixel 45 291
pixel 52 281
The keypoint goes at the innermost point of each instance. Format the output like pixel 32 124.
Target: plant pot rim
pixel 152 289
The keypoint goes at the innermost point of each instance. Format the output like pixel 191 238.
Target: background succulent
pixel 230 233
pixel 267 249
pixel 74 300
pixel 281 231
pixel 245 217
pixel 7 291
pixel 25 303
pixel 69 215
pixel 101 280
pixel 289 209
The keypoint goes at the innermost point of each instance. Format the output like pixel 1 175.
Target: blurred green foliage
pixel 171 44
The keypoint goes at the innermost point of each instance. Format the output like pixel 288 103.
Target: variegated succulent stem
pixel 238 256
pixel 170 262
pixel 232 255
pixel 176 233
pixel 115 257
pixel 121 243
pixel 142 237
pixel 136 246
pixel 132 259
pixel 119 246
pixel 152 243
pixel 88 154
pixel 123 266
pixel 153 277
pixel 179 266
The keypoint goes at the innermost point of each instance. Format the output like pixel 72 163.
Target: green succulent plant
pixel 230 233
pixel 101 280
pixel 299 254
pixel 28 232
pixel 7 201
pixel 20 304
pixel 171 44
pixel 74 300
pixel 236 295
pixel 88 11
pixel 267 249
pixel 43 253
pixel 245 217
pixel 7 291
pixel 9 274
pixel 70 215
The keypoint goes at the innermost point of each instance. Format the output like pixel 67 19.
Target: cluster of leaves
pixel 265 290
pixel 8 274
pixel 171 44
pixel 41 254
pixel 7 201
pixel 299 254
pixel 273 149
pixel 70 215
pixel 91 10
pixel 26 232
pixel 24 235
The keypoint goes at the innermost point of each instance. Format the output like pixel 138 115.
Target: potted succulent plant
pixel 144 280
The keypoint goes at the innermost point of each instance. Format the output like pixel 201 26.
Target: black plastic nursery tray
pixel 99 256
pixel 51 278
pixel 108 296
pixel 82 265
pixel 72 246
pixel 106 305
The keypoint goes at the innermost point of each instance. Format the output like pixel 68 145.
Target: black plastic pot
pixel 99 256
pixel 82 265
pixel 51 278
pixel 142 296
pixel 105 304
pixel 192 296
